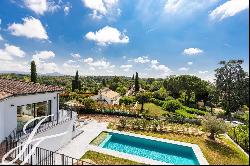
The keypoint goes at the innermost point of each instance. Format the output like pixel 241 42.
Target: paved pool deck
pixel 79 146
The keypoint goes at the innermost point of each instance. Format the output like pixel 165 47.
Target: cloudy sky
pixel 156 38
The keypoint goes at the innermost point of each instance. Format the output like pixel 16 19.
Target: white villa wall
pixel 1 121
pixel 8 110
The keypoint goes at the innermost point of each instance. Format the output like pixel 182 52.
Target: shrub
pixel 123 122
pixel 214 126
pixel 157 102
pixel 240 134
pixel 184 114
pixel 88 103
pixel 169 98
pixel 172 105
pixel 127 100
pixel 245 108
pixel 194 111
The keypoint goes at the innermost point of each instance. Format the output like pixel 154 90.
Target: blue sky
pixel 156 38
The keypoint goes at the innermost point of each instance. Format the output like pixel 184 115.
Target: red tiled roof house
pixel 22 101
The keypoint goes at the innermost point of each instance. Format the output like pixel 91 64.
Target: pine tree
pixel 137 86
pixel 33 74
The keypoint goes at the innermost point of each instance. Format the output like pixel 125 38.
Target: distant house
pixel 22 101
pixel 108 96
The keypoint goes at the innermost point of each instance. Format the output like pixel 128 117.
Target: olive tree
pixel 214 126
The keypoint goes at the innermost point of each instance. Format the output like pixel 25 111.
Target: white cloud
pixel 11 51
pixel 43 55
pixel 155 69
pixel 143 59
pixel 110 71
pixel 49 67
pixel 88 60
pixel 102 8
pixel 162 68
pixel 154 62
pixel 183 69
pixel 14 50
pixel 75 56
pixel 1 38
pixel 190 63
pixel 107 35
pixel 100 64
pixel 229 9
pixel 70 61
pixel 185 7
pixel 4 56
pixel 41 61
pixel 126 68
pixel 96 5
pixel 203 72
pixel 20 66
pixel 66 10
pixel 31 28
pixel 41 6
pixel 69 67
pixel 192 51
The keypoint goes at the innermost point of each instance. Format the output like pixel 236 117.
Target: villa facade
pixel 22 101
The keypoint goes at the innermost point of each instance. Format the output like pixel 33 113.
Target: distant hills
pixel 27 73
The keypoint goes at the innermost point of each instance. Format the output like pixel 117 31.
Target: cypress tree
pixel 133 77
pixel 76 83
pixel 33 74
pixel 137 86
pixel 104 82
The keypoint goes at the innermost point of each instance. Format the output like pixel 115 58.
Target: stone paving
pixel 79 146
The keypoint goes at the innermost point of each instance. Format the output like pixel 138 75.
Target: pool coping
pixel 197 151
pixel 127 156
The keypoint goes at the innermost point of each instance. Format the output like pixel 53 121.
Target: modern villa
pixel 22 101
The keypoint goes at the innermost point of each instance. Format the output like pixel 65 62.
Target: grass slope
pixel 223 152
pixel 103 159
pixel 153 110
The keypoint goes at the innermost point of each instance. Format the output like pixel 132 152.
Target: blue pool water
pixel 156 150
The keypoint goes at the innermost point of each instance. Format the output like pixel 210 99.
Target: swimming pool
pixel 151 149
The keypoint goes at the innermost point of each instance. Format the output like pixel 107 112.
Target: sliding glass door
pixel 24 114
pixel 30 111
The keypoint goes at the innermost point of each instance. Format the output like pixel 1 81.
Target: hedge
pixel 194 111
pixel 157 102
pixel 184 114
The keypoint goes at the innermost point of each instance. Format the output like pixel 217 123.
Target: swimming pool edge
pixel 197 151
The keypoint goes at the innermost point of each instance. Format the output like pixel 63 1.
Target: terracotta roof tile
pixel 10 87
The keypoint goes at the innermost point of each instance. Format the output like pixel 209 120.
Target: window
pixel 30 111
pixel 24 114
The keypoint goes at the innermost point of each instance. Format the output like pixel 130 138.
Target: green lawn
pixel 153 110
pixel 103 159
pixel 99 139
pixel 223 152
